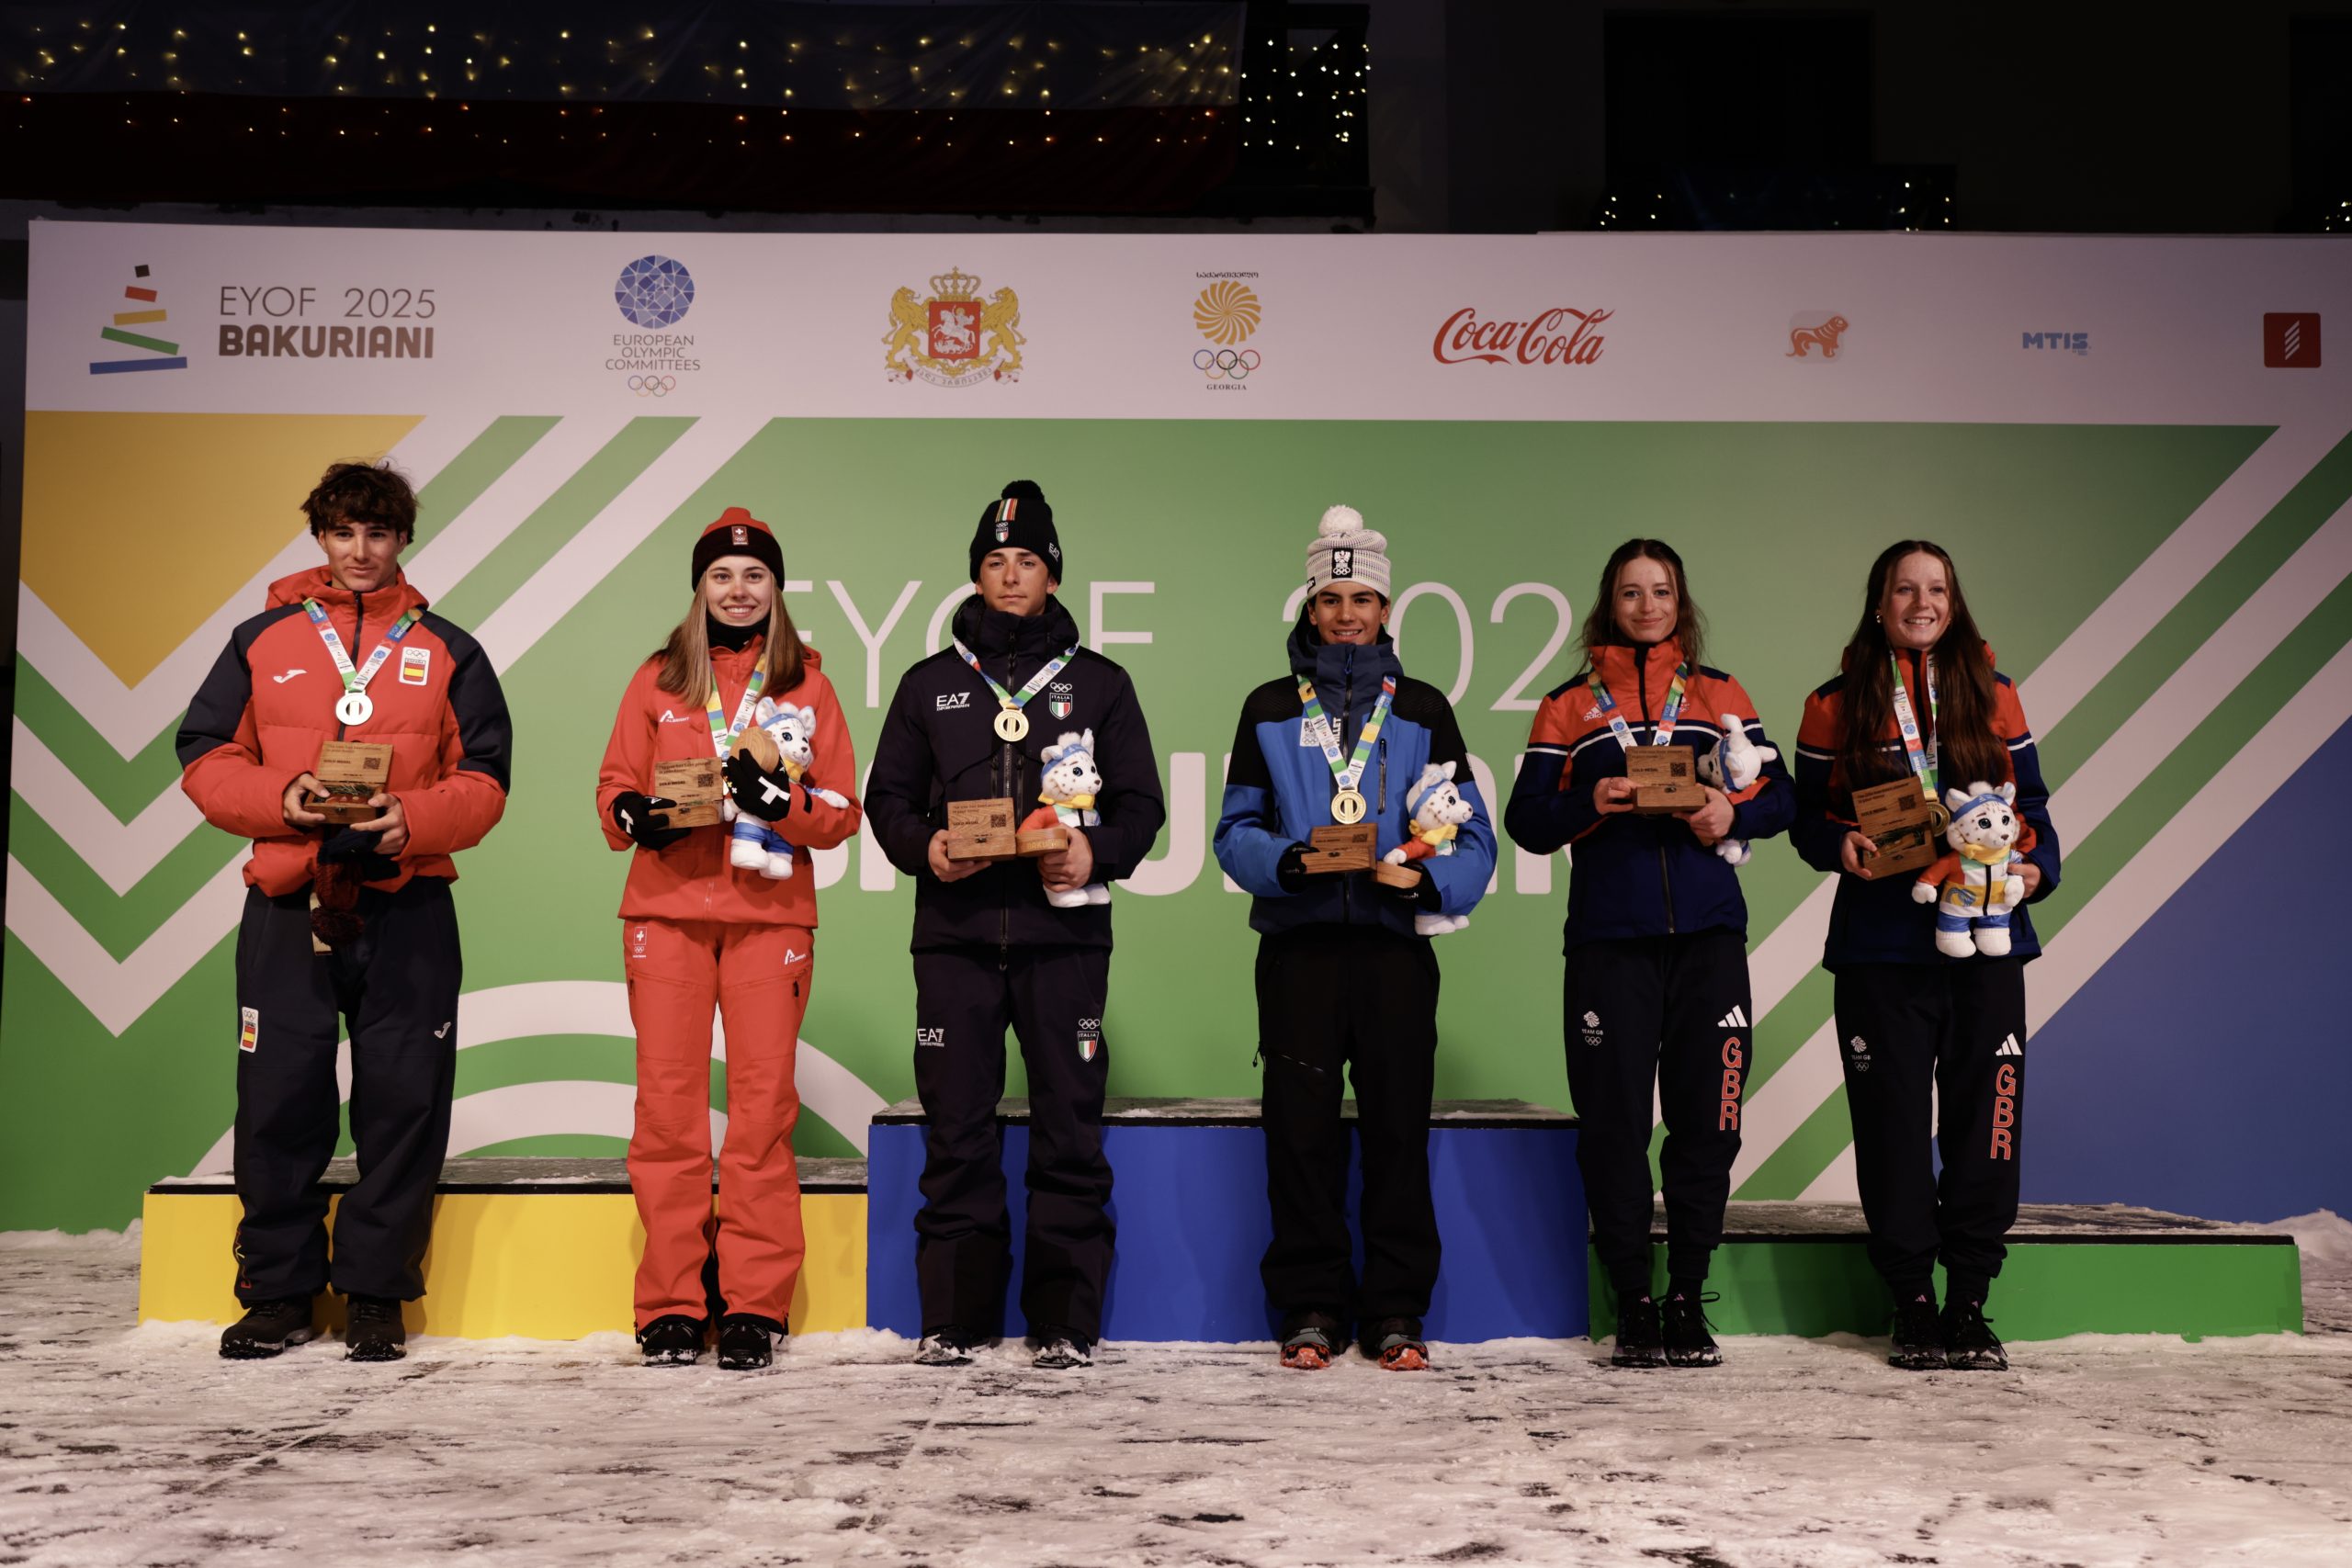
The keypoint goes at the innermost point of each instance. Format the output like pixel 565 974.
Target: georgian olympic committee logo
pixel 1227 313
pixel 951 337
pixel 653 294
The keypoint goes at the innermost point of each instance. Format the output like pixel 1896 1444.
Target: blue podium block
pixel 1188 1199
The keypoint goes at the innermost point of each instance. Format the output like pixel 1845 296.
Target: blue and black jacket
pixel 1635 875
pixel 1279 786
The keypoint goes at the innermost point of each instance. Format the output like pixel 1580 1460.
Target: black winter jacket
pixel 938 745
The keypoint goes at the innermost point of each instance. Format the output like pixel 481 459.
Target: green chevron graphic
pixel 1777 521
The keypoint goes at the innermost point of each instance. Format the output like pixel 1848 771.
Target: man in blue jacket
pixel 1344 980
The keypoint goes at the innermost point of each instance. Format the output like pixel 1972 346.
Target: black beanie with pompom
pixel 1019 519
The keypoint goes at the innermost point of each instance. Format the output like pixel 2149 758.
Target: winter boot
pixel 948 1347
pixel 1970 1344
pixel 1309 1337
pixel 1682 1321
pixel 1395 1344
pixel 671 1341
pixel 747 1341
pixel 268 1328
pixel 1640 1340
pixel 1061 1350
pixel 1918 1334
pixel 372 1329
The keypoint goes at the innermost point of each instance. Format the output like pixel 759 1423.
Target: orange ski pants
pixel 758 980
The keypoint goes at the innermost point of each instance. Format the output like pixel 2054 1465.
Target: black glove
pixel 1291 870
pixel 1422 892
pixel 641 816
pixel 758 792
pixel 350 846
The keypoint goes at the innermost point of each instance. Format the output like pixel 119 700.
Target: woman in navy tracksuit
pixel 1656 980
pixel 1345 979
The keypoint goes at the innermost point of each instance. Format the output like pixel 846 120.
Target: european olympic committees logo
pixel 654 294
pixel 1227 313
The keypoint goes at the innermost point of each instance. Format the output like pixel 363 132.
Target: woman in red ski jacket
pixel 699 932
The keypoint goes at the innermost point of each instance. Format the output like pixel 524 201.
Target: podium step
pixel 542 1249
pixel 1803 1268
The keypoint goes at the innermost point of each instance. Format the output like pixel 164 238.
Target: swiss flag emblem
pixel 740 535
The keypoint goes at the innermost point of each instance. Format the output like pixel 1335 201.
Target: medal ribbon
pixel 723 734
pixel 355 680
pixel 1319 726
pixel 1906 719
pixel 1662 731
pixel 1016 701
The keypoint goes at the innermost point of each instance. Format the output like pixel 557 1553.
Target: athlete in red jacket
pixel 699 932
pixel 354 923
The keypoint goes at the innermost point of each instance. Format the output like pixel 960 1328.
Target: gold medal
pixel 1012 725
pixel 1348 806
pixel 1939 818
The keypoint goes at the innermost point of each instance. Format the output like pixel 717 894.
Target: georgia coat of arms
pixel 954 337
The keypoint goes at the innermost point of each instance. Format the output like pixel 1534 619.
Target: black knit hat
pixel 1018 519
pixel 737 533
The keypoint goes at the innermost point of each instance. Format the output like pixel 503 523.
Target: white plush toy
pixel 1435 812
pixel 1973 887
pixel 1072 781
pixel 756 845
pixel 1731 765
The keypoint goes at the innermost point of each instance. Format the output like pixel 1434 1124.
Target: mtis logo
pixel 2075 343
pixel 2290 340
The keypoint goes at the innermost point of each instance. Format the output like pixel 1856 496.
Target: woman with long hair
pixel 1655 991
pixel 699 932
pixel 1919 697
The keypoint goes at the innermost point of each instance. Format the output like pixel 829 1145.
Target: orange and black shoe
pixel 1396 1343
pixel 1308 1339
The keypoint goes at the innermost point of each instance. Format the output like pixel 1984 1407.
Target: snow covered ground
pixel 140 1446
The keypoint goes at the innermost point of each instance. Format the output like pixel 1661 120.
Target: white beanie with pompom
pixel 1346 551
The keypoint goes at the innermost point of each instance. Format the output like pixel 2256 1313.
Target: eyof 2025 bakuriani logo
pixel 653 295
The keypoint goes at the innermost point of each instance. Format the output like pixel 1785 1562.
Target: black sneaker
pixel 1309 1339
pixel 948 1347
pixel 1640 1340
pixel 1683 1326
pixel 1970 1344
pixel 267 1329
pixel 747 1341
pixel 1918 1336
pixel 1061 1350
pixel 373 1330
pixel 1396 1343
pixel 671 1341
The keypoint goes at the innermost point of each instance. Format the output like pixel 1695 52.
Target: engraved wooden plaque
pixel 1390 875
pixel 352 771
pixel 1044 841
pixel 1897 820
pixel 981 830
pixel 1342 848
pixel 697 784
pixel 1665 780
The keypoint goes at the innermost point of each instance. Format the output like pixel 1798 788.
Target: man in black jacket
pixel 970 723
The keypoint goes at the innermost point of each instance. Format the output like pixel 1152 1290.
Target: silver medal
pixel 1348 806
pixel 1011 723
pixel 355 708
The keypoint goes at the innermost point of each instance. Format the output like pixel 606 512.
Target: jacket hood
pixel 316 585
pixel 744 660
pixel 1332 665
pixel 1846 660
pixel 1614 658
pixel 984 631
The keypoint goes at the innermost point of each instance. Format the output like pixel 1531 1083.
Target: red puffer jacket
pixel 257 721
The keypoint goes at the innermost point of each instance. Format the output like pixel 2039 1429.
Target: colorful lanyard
pixel 356 680
pixel 1318 725
pixel 1015 701
pixel 1906 719
pixel 1661 732
pixel 723 734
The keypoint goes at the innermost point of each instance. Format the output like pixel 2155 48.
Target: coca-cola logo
pixel 1557 336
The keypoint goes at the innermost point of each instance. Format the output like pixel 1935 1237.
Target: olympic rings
pixel 653 386
pixel 1226 363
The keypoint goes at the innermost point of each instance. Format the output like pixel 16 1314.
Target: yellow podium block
pixel 539 1255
